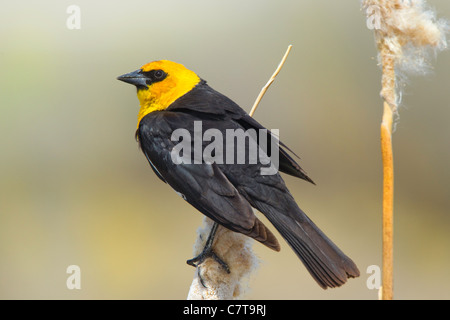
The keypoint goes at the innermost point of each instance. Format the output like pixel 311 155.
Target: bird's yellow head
pixel 159 84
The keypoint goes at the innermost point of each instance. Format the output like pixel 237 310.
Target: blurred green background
pixel 75 189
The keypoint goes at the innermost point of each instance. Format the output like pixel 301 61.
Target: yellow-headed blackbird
pixel 172 97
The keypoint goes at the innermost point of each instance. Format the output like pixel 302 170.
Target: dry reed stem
pixel 390 108
pixel 271 80
pixel 387 292
pixel 405 31
pixel 233 248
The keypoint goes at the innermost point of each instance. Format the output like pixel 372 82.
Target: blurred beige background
pixel 75 189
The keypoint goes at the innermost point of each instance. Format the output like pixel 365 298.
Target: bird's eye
pixel 153 76
pixel 159 74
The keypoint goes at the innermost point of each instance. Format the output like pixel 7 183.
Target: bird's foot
pixel 207 253
pixel 198 260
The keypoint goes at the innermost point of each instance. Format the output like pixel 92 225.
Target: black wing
pixel 203 185
pixel 210 104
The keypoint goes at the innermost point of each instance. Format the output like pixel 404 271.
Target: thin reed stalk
pixel 406 33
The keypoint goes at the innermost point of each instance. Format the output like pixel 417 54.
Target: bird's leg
pixel 208 252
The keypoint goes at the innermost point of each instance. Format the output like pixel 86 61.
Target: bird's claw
pixel 208 253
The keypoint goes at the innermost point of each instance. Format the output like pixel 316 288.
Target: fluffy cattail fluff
pixel 233 248
pixel 407 34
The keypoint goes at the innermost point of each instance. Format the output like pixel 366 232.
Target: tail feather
pixel 317 269
pixel 262 234
pixel 327 264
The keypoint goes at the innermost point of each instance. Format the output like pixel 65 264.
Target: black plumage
pixel 226 193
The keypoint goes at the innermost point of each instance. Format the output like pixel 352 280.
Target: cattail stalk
pixel 389 109
pixel 406 32
pixel 211 281
pixel 388 204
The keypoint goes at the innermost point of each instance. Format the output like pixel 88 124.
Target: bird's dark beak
pixel 136 78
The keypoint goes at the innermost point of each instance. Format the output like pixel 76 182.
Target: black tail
pixel 328 265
